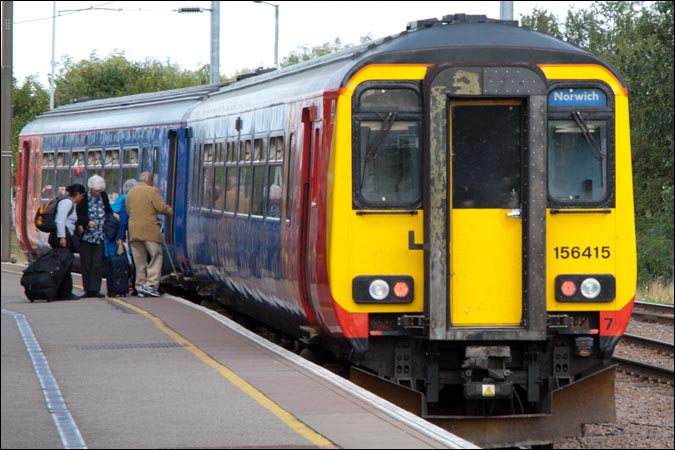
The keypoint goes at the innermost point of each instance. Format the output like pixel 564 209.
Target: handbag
pixel 111 226
pixel 74 241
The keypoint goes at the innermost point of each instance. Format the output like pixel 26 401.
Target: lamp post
pixel 276 31
pixel 214 73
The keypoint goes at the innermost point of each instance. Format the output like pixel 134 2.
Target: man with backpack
pixel 49 278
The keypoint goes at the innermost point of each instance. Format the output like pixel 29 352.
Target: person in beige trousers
pixel 143 203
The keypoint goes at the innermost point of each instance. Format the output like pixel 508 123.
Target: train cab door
pixel 307 230
pixel 485 203
pixel 485 245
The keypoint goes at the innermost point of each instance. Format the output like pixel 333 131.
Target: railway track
pixel 663 347
pixel 653 312
pixel 641 368
pixel 645 370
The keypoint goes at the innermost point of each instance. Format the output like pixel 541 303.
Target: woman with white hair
pixel 91 212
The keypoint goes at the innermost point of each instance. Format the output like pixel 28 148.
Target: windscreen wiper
pixel 583 126
pixel 374 147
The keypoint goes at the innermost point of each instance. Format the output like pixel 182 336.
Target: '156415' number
pixel 582 252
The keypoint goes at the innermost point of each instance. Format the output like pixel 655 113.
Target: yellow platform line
pixel 287 418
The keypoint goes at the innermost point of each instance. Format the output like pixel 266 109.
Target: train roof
pixel 150 109
pixel 457 38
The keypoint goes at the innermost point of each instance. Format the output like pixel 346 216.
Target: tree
pixel 305 53
pixel 115 76
pixel 28 100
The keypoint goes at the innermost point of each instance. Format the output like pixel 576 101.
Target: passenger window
pixel 77 165
pixel 48 190
pixel 62 172
pixel 130 163
pixel 112 173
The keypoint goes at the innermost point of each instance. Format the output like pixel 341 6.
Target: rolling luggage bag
pixel 44 277
pixel 117 275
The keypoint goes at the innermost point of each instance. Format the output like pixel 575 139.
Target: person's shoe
pixel 92 294
pixel 141 292
pixel 151 291
pixel 71 297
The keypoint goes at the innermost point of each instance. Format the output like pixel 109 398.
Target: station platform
pixel 165 373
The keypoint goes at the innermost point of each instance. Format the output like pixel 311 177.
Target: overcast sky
pixel 154 30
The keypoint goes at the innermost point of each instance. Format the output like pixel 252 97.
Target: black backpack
pixel 46 214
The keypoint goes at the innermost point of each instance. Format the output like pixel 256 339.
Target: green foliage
pixel 116 76
pixel 28 100
pixel 305 53
pixel 637 39
pixel 542 20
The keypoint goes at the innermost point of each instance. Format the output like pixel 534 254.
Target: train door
pixel 486 139
pixel 485 203
pixel 171 184
pixel 307 229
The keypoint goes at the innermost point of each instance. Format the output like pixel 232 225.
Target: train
pixel 448 209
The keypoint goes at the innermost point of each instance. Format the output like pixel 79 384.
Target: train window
pixel 231 189
pixel 208 153
pixel 258 150
pixel 155 165
pixel 389 162
pixel 48 191
pixel 277 148
pixel 207 177
pixel 387 158
pixel 94 162
pixel 219 177
pixel 77 165
pixel 95 159
pixel 142 159
pixel 231 151
pixel 129 163
pixel 245 151
pixel 112 173
pixel 486 154
pixel 130 156
pixel 289 184
pixel 577 160
pixel 62 170
pixel 378 99
pixel 275 180
pixel 194 176
pixel 258 193
pixel 244 187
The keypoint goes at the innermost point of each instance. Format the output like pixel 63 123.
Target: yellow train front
pixel 479 231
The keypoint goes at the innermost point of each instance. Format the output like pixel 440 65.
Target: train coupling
pixel 485 374
pixel 412 321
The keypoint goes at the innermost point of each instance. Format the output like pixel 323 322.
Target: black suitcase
pixel 117 275
pixel 44 278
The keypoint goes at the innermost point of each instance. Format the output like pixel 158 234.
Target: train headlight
pixel 590 288
pixel 383 289
pixel 585 288
pixel 378 289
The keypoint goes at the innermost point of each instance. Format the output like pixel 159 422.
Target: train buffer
pixel 163 372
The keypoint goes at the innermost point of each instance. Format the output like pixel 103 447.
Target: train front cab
pixel 519 260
